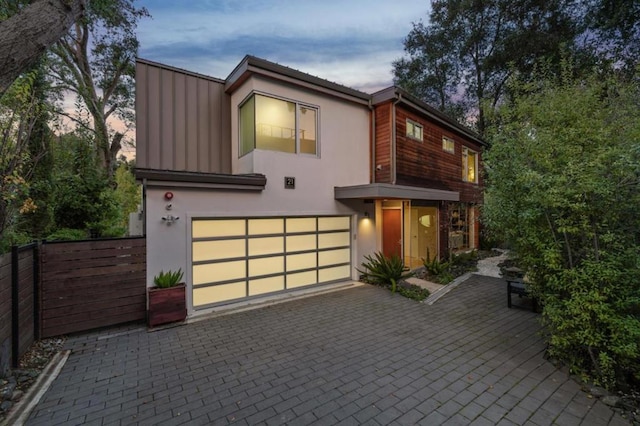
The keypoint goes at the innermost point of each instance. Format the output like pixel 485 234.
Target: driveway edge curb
pixel 23 409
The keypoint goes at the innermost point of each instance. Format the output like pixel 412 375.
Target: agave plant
pixel 380 269
pixel 435 266
pixel 168 279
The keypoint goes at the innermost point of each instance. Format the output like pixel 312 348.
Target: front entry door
pixel 392 232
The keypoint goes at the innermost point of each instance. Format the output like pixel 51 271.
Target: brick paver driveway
pixel 357 356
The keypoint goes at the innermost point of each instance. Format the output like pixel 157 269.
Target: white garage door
pixel 237 258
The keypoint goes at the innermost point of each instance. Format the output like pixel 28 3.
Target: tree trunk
pixel 25 36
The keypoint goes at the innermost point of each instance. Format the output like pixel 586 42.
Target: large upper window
pixel 414 130
pixel 469 165
pixel 278 125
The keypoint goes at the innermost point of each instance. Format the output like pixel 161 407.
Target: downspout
pixel 372 141
pixel 393 139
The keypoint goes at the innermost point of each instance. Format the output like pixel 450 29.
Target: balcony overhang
pixel 374 191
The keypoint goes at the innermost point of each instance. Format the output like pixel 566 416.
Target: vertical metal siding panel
pixel 180 117
pixel 142 116
pixel 204 139
pixel 167 113
pixel 214 127
pixel 192 123
pixel 225 131
pixel 154 118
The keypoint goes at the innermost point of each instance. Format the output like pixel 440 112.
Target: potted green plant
pixel 167 302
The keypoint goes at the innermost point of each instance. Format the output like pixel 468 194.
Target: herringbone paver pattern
pixel 358 356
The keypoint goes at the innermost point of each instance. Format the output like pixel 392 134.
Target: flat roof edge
pixel 382 190
pixel 255 181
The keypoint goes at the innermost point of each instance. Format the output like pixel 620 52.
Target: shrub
pixel 434 266
pixel 413 292
pixel 379 269
pixel 168 279
pixel 68 234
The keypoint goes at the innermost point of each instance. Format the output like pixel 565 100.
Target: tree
pixel 83 197
pixel 462 59
pixel 96 62
pixel 38 222
pixel 26 35
pixel 21 109
pixel 614 28
pixel 564 189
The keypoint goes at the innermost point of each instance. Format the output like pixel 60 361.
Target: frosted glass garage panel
pixel 266 226
pixel 217 250
pixel 301 279
pixel 301 224
pixel 301 243
pixel 219 293
pixel 266 245
pixel 223 271
pixel 333 274
pixel 296 262
pixel 266 285
pixel 333 239
pixel 266 266
pixel 333 223
pixel 332 257
pixel 218 228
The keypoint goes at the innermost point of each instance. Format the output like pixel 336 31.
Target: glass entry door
pixel 424 235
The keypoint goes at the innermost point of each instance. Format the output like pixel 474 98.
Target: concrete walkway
pixel 357 356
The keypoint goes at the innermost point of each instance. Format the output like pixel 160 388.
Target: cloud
pixel 352 43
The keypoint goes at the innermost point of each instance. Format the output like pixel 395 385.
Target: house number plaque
pixel 289 182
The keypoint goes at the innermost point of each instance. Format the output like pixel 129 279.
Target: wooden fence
pixel 18 304
pixel 92 284
pixel 53 288
pixel 5 314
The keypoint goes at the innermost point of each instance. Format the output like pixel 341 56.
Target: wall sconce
pixel 366 215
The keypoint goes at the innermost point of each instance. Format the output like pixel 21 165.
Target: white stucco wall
pixel 343 160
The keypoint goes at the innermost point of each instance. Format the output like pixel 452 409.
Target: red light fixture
pixel 168 195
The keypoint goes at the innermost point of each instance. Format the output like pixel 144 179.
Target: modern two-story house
pixel 273 180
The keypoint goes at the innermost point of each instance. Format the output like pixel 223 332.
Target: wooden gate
pixel 91 284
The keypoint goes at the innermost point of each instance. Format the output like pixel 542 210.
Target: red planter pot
pixel 166 305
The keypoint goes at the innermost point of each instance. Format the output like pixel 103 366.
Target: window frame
pixel 465 164
pixel 415 125
pixel 446 139
pixel 298 106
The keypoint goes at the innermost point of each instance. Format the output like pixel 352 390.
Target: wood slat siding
pixel 383 117
pixel 92 284
pixel 5 314
pixel 183 121
pixel 427 164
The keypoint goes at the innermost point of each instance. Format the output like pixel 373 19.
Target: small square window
pixel 448 145
pixel 414 130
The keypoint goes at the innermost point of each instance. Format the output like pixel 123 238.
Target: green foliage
pixel 22 109
pixel 563 190
pixel 168 279
pixel 379 269
pixel 67 234
pixel 83 197
pixel 434 266
pixel 413 292
pixel 128 194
